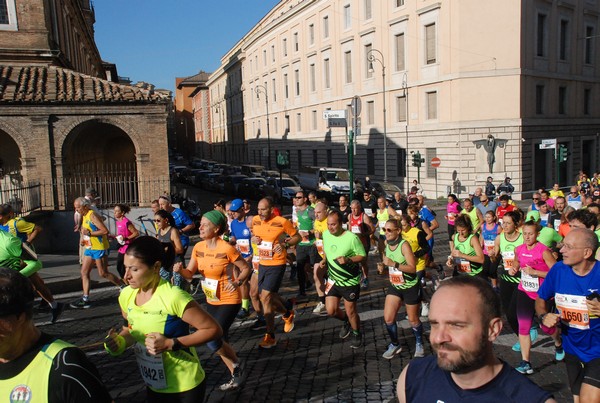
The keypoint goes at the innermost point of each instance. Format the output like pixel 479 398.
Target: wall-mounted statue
pixel 489 145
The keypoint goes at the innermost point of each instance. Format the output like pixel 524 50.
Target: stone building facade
pixel 477 84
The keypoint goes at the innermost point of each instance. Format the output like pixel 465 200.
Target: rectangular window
pixel 287 123
pixel 430 153
pixel 401 162
pixel 430 44
pixel 284 47
pixel 272 53
pixel 298 122
pixel 285 86
pixel 8 15
pixel 399 45
pixel 539 99
pixel 541 36
pixel 347 17
pixel 348 67
pixel 314 119
pixel 563 39
pixel 368 70
pixel 326 73
pixel 4 20
pixel 296 43
pixel 368 9
pixel 299 160
pixel 315 157
pixel 313 78
pixel 311 34
pixel 274 91
pixel 326 27
pixel 399 3
pixel 562 100
pixel 589 45
pixel 329 158
pixel 297 78
pixel 370 161
pixel 370 112
pixel 431 105
pixel 275 125
pixel 265 57
pixel 587 100
pixel 400 109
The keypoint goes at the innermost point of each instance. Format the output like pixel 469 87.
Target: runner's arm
pixel 401 387
pixel 176 242
pixel 102 230
pixel 134 231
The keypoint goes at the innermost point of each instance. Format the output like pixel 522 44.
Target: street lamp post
pixel 405 93
pixel 371 57
pixel 261 88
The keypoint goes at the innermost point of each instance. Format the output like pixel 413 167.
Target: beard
pixel 468 360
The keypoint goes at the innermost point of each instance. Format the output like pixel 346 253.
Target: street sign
pixel 356 106
pixel 436 162
pixel 337 114
pixel 547 144
pixel 336 122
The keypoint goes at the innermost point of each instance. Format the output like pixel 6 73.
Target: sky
pixel 157 40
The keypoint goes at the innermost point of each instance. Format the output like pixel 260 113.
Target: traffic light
pixel 562 153
pixel 417 160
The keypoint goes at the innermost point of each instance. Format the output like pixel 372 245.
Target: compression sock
pixel 392 329
pixel 418 332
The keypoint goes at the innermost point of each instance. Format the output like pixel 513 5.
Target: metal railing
pixel 23 197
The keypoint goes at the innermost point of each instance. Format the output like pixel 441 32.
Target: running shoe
pixel 243 314
pixel 533 334
pixel 235 381
pixel 320 309
pixel 525 368
pixel 441 272
pixel 267 342
pixel 516 347
pixel 288 325
pixel 259 324
pixel 419 350
pixel 345 330
pixel 81 304
pixel 559 353
pixel 364 284
pixel 425 309
pixel 392 351
pixel 356 341
pixel 56 312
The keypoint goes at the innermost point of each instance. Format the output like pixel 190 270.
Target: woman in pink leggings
pixel 533 259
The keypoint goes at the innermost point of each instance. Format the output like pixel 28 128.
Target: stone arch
pixel 10 149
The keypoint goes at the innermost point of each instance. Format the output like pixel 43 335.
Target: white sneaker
pixel 392 351
pixel 425 309
pixel 320 309
pixel 419 351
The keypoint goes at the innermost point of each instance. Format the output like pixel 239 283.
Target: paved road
pixel 310 364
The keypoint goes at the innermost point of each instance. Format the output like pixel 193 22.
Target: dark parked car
pixel 231 184
pixel 209 182
pixel 252 188
pixel 288 189
pixel 386 189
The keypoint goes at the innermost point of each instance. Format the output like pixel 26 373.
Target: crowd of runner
pixel 535 267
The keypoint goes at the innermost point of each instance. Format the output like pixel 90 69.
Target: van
pixel 327 182
pixel 252 170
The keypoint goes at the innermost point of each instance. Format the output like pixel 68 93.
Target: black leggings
pixel 224 315
pixel 508 297
pixel 191 396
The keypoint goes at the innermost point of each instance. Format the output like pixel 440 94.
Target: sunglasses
pixel 391 229
pixel 159 220
pixel 535 198
pixel 298 197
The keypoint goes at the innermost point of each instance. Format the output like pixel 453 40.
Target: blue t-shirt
pixel 580 331
pixel 426 382
pixel 182 220
pixel 426 215
pixel 242 235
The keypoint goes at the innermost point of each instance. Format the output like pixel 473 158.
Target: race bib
pixel 489 246
pixel 396 276
pixel 530 283
pixel 151 367
pixel 573 310
pixel 369 211
pixel 465 266
pixel 575 204
pixel 556 224
pixel 210 288
pixel 451 216
pixel 243 246
pixel 508 259
pixel 328 285
pixel 319 244
pixel 265 250
pixel 355 229
pixel 345 226
pixel 255 263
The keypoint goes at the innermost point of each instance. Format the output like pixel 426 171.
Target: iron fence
pixel 23 197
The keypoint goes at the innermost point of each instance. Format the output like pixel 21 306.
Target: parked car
pixel 231 184
pixel 208 182
pixel 176 172
pixel 252 170
pixel 285 188
pixel 386 189
pixel 330 183
pixel 200 176
pixel 252 188
pixel 219 185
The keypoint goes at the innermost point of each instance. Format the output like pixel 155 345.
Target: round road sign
pixel 436 162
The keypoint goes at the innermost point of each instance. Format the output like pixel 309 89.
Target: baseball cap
pixel 236 204
pixel 533 215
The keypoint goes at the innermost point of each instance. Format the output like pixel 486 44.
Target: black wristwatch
pixel 176 344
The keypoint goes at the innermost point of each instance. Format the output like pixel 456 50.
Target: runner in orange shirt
pixel 273 235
